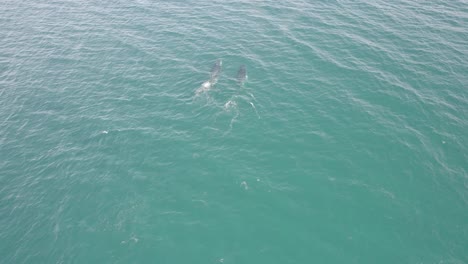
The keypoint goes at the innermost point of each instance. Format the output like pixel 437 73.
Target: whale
pixel 215 71
pixel 241 74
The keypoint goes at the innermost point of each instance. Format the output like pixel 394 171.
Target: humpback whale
pixel 215 71
pixel 242 74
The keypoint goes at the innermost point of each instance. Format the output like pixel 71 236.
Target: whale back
pixel 242 74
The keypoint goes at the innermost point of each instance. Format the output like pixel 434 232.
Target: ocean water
pixel 347 143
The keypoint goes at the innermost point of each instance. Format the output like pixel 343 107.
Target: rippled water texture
pixel 347 142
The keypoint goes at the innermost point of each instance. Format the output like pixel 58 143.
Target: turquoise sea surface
pixel 346 143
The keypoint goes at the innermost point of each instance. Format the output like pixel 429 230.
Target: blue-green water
pixel 348 142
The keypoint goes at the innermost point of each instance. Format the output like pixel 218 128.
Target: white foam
pixel 230 104
pixel 206 86
pixel 244 184
pixel 254 109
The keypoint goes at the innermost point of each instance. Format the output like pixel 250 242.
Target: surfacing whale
pixel 241 74
pixel 215 71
